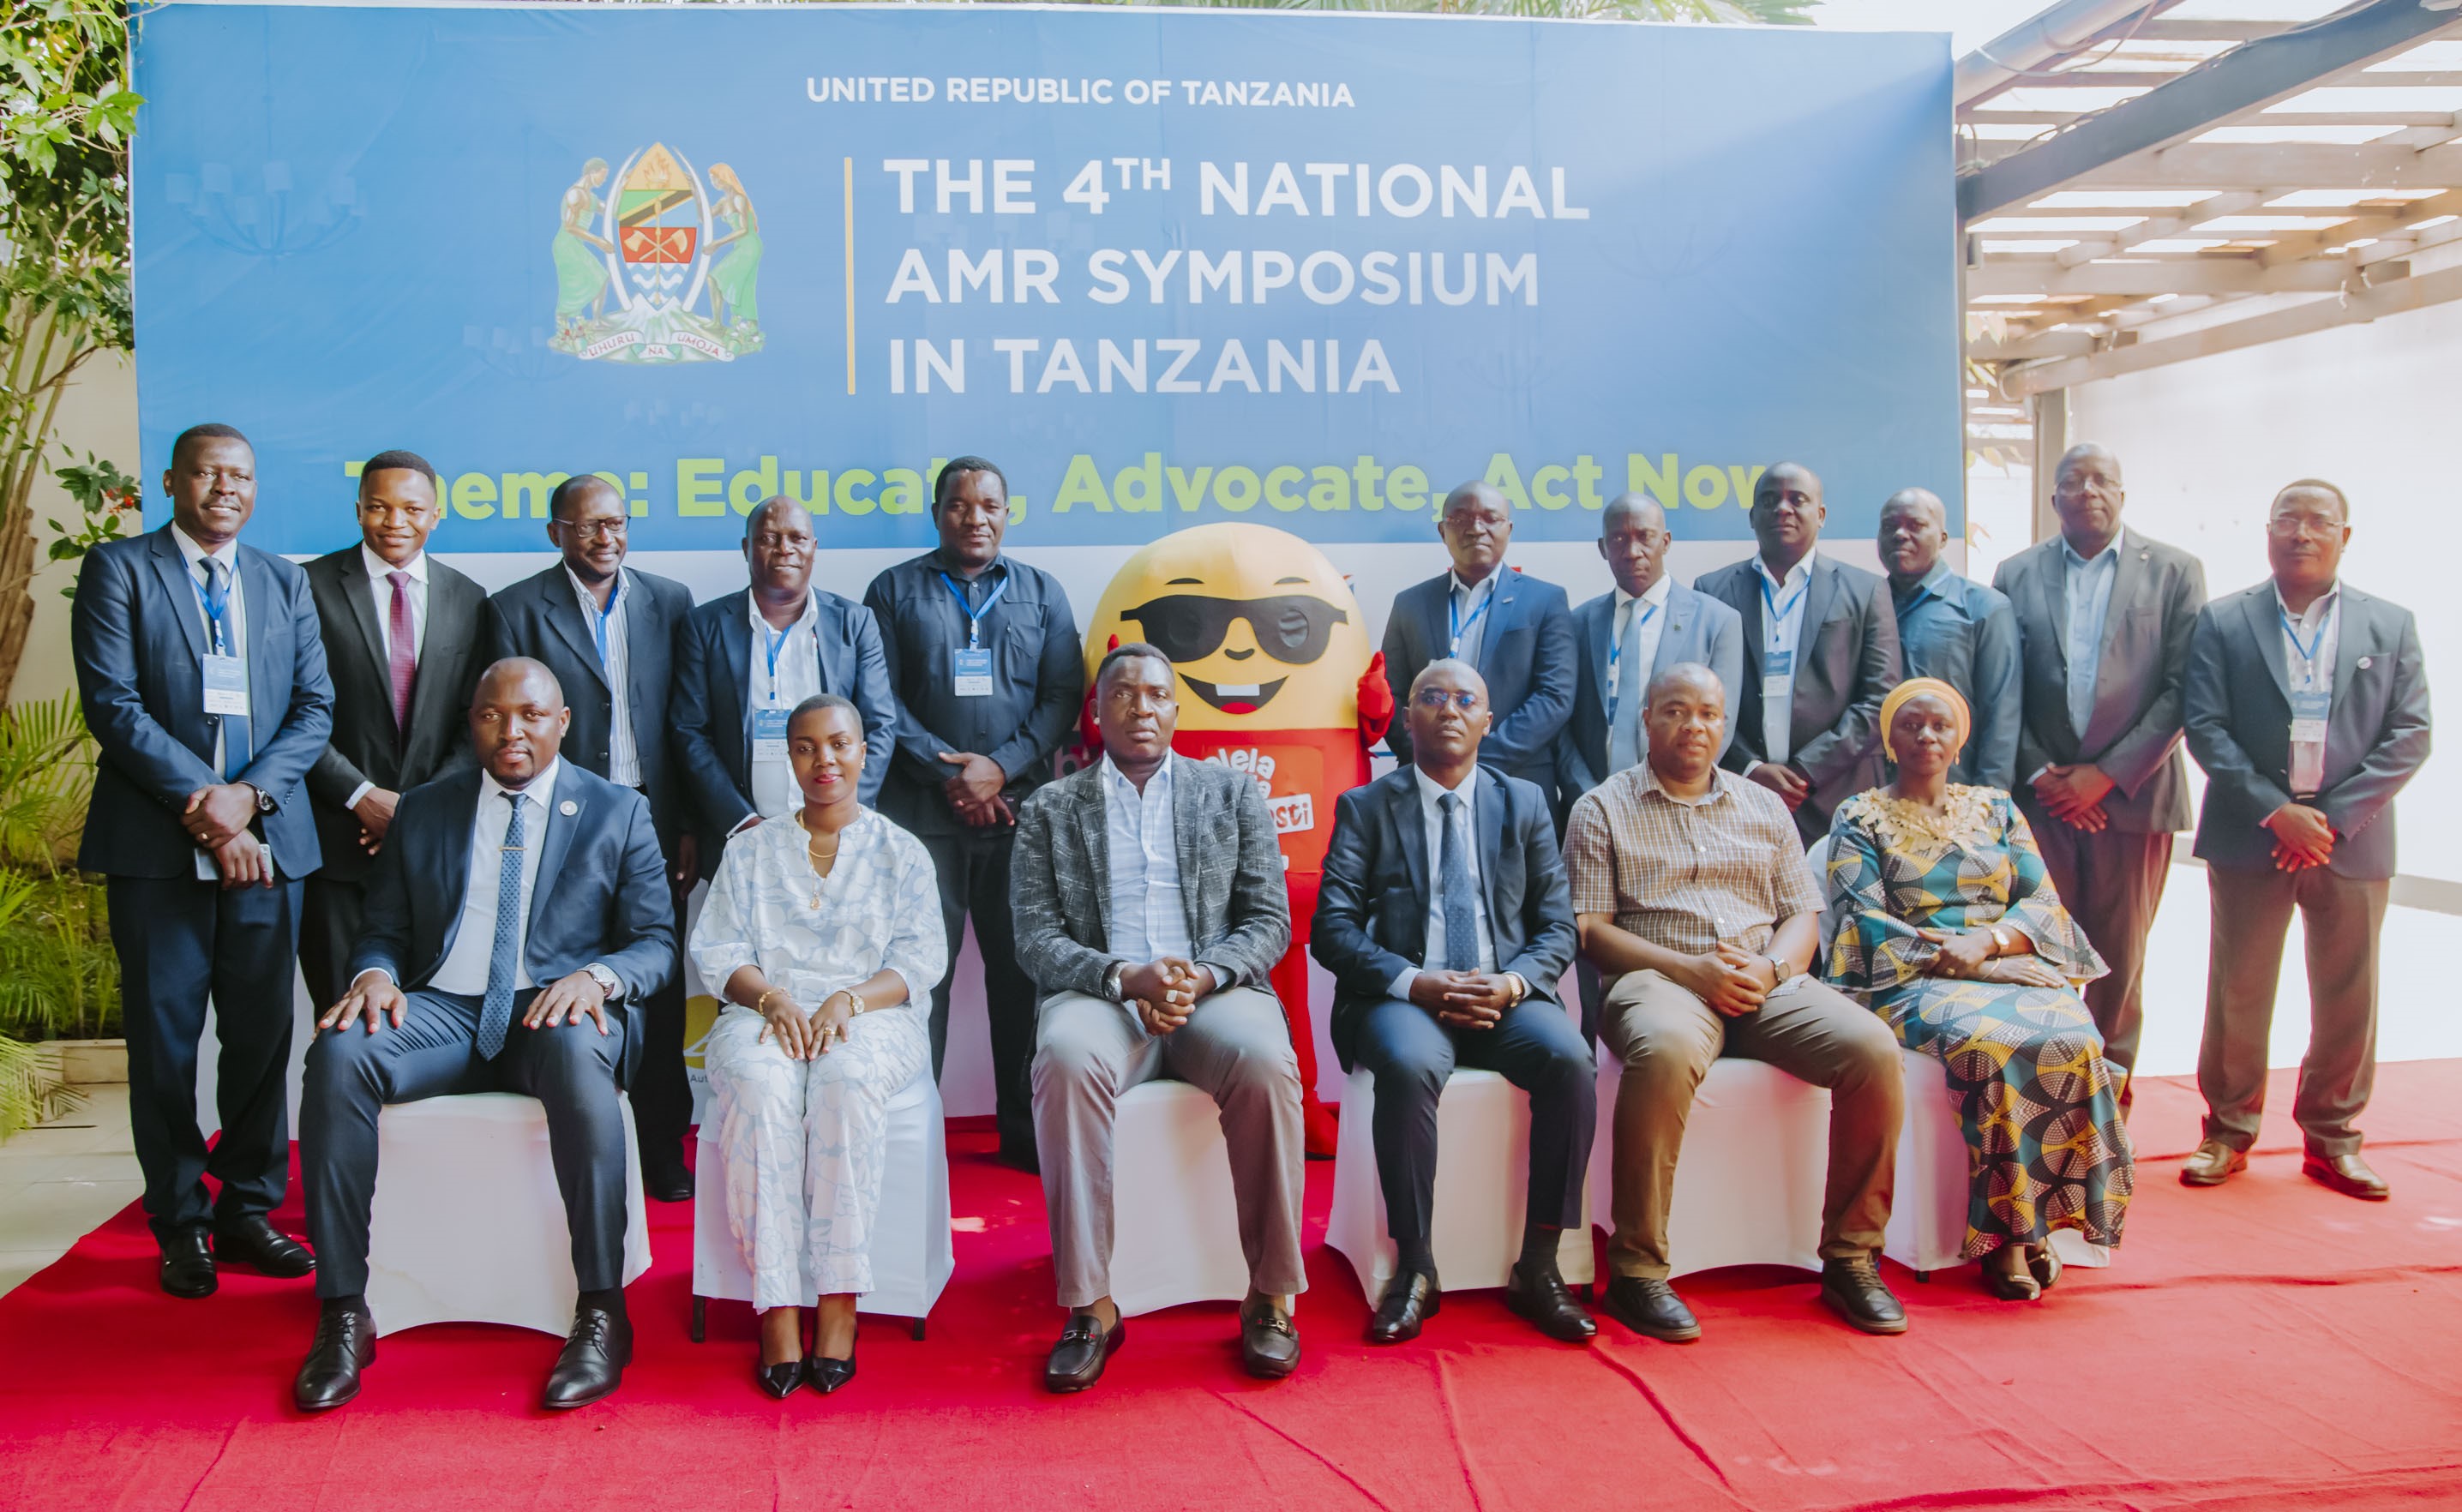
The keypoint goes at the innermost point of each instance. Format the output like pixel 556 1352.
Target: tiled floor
pixel 59 1182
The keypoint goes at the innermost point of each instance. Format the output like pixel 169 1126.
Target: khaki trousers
pixel 2111 883
pixel 2342 918
pixel 1666 1039
pixel 1235 1048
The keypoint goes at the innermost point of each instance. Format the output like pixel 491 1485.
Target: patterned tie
pixel 237 746
pixel 504 960
pixel 1453 873
pixel 1624 741
pixel 401 652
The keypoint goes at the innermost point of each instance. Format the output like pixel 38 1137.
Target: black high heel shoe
pixel 780 1381
pixel 827 1375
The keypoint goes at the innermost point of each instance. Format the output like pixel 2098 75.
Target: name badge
pixel 2308 711
pixel 973 669
pixel 225 685
pixel 769 734
pixel 1778 672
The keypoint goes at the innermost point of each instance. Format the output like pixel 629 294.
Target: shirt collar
pixel 939 563
pixel 381 571
pixel 227 553
pixel 541 787
pixel 1801 571
pixel 2326 603
pixel 1655 595
pixel 1720 779
pixel 589 599
pixel 1455 585
pixel 808 621
pixel 1431 789
pixel 2112 550
pixel 1118 781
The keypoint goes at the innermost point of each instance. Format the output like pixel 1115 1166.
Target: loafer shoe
pixel 1084 1348
pixel 1652 1309
pixel 1852 1289
pixel 255 1243
pixel 1540 1295
pixel 2347 1174
pixel 667 1180
pixel 1269 1345
pixel 1411 1298
pixel 346 1344
pixel 188 1265
pixel 593 1361
pixel 2214 1163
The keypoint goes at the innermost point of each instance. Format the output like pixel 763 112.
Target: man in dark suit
pixel 520 912
pixel 1514 631
pixel 607 633
pixel 1956 630
pixel 985 659
pixel 1446 920
pixel 401 644
pixel 1820 651
pixel 1150 905
pixel 2104 622
pixel 734 690
pixel 2306 704
pixel 202 682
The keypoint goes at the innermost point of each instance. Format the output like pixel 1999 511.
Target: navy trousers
pixel 972 868
pixel 1535 1046
pixel 180 941
pixel 351 1074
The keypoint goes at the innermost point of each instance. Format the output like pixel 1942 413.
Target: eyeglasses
pixel 594 529
pixel 1437 698
pixel 2292 527
pixel 1291 628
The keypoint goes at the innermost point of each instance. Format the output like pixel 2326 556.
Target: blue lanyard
pixel 777 643
pixel 214 594
pixel 1454 622
pixel 974 615
pixel 598 616
pixel 1615 651
pixel 1769 600
pixel 2308 651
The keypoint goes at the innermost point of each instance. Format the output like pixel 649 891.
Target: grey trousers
pixel 1237 1049
pixel 2342 917
pixel 2111 884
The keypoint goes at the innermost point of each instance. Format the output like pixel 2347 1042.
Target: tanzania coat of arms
pixel 679 263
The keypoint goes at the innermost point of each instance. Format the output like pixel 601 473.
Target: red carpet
pixel 2266 1344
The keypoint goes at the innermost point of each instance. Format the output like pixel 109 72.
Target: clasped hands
pixel 1967 955
pixel 1731 980
pixel 1792 786
pixel 805 1035
pixel 2074 795
pixel 217 819
pixel 1164 992
pixel 1463 1000
pixel 376 999
pixel 2303 837
pixel 974 790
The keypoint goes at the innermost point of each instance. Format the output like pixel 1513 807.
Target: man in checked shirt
pixel 1692 897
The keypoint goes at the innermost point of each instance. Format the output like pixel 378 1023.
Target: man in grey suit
pixel 2104 622
pixel 1955 630
pixel 2307 707
pixel 1820 651
pixel 1148 900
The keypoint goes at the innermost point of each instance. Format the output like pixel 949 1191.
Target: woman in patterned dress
pixel 822 931
pixel 1941 917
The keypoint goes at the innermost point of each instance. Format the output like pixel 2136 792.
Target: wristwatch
pixel 1111 982
pixel 1999 941
pixel 608 982
pixel 264 803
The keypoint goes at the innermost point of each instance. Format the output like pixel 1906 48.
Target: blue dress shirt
pixel 1966 635
pixel 2090 600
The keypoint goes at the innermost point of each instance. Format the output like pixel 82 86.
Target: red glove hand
pixel 1376 701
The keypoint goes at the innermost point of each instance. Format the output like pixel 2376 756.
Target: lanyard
pixel 214 594
pixel 1615 651
pixel 974 615
pixel 2308 651
pixel 598 616
pixel 777 643
pixel 1457 624
pixel 1777 617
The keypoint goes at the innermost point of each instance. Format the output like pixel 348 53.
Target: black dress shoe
pixel 255 1243
pixel 188 1265
pixel 1084 1348
pixel 1852 1289
pixel 1652 1309
pixel 1540 1295
pixel 1411 1298
pixel 593 1362
pixel 346 1344
pixel 1018 1155
pixel 667 1178
pixel 1269 1346
pixel 780 1381
pixel 827 1375
pixel 2347 1174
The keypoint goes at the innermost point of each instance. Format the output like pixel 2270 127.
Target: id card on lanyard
pixel 970 666
pixel 1615 651
pixel 1455 624
pixel 226 675
pixel 769 720
pixel 1778 664
pixel 2312 691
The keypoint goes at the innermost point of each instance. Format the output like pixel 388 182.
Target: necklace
pixel 823 862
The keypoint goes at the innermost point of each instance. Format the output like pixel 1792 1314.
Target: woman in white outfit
pixel 824 931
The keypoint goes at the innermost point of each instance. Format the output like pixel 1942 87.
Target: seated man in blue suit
pixel 1446 919
pixel 734 689
pixel 519 914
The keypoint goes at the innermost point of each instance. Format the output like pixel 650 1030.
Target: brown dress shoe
pixel 2347 1174
pixel 2214 1164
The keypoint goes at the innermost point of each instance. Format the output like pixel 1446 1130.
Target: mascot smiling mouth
pixel 1235 698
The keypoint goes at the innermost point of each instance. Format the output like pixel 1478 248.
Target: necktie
pixel 236 743
pixel 504 957
pixel 1453 873
pixel 402 652
pixel 1624 741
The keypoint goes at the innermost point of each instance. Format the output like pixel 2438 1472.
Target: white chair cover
pixel 1174 1227
pixel 1749 1181
pixel 1483 1187
pixel 468 1226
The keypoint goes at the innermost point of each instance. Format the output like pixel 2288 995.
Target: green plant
pixel 28 1090
pixel 58 977
pixel 107 500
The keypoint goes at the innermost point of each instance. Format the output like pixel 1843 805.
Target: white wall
pixel 2205 444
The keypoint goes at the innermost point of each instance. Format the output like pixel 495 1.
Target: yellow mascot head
pixel 1261 628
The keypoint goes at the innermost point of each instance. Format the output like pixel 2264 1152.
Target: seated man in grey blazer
pixel 1149 900
pixel 1820 651
pixel 1446 921
pixel 2307 707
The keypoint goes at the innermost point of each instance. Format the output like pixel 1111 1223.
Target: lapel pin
pixel 567 808
pixel 2364 662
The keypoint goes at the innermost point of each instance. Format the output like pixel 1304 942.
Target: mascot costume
pixel 1277 681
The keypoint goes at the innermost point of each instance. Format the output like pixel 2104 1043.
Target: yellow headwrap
pixel 1918 687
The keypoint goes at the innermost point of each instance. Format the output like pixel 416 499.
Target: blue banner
pixel 1166 266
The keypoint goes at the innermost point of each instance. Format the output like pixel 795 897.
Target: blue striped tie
pixel 1453 875
pixel 503 958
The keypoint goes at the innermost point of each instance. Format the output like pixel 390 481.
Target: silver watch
pixel 608 982
pixel 1111 982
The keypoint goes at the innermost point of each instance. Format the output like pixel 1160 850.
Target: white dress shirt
pixel 798 653
pixel 1432 817
pixel 380 583
pixel 1473 606
pixel 235 644
pixel 1652 607
pixel 1781 631
pixel 2321 628
pixel 464 969
pixel 1148 920
pixel 623 757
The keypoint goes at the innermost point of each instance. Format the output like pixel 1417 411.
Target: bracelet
pixel 761 1003
pixel 1999 941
